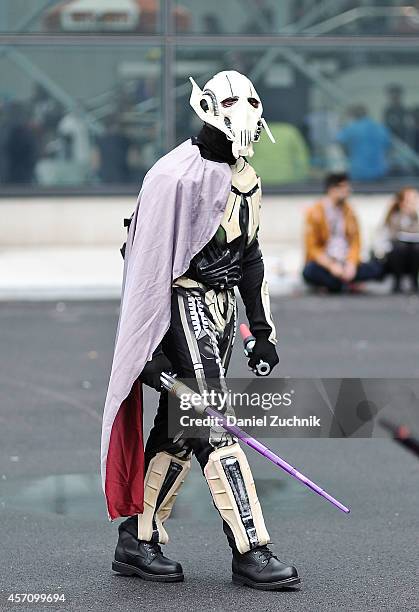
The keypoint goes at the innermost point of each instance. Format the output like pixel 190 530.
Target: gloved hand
pixel 153 369
pixel 265 351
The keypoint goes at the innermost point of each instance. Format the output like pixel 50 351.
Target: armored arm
pixel 253 289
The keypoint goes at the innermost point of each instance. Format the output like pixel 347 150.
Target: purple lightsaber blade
pixel 178 388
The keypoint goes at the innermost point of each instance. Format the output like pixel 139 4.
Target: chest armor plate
pixel 219 264
pixel 241 214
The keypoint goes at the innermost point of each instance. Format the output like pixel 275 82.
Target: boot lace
pixel 265 553
pixel 153 548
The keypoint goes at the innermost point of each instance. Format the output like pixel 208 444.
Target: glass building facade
pixel 92 92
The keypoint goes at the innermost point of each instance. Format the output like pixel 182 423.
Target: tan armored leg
pixel 232 487
pixel 164 477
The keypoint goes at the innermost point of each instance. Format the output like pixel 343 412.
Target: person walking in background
pixel 366 143
pixel 400 122
pixel 20 146
pixel 415 129
pixel 402 228
pixel 397 117
pixel 332 241
pixel 113 151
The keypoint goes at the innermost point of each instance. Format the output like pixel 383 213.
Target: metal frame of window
pixel 285 44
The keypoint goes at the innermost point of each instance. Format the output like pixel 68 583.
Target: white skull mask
pixel 230 103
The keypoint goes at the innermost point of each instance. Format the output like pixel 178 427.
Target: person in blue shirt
pixel 366 143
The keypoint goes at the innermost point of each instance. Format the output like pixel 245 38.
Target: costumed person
pixel 192 239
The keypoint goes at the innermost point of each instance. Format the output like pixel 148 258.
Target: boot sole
pixel 265 586
pixel 131 570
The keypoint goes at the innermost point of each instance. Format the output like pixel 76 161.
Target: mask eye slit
pixel 227 102
pixel 253 102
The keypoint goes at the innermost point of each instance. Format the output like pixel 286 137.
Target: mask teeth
pixel 245 138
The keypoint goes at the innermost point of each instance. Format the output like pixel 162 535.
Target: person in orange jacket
pixel 332 241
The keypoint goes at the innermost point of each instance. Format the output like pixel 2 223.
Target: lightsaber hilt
pixel 179 389
pixel 262 368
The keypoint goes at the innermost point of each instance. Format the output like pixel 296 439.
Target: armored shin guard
pixel 164 477
pixel 233 490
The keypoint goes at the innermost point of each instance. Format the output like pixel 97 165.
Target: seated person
pixel 332 241
pixel 402 225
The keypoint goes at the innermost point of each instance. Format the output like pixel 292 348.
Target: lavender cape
pixel 179 209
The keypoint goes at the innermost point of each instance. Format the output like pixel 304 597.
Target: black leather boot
pixel 261 569
pixel 144 559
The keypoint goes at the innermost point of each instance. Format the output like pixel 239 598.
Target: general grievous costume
pixel 192 239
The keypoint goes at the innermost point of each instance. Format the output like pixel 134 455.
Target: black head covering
pixel 214 145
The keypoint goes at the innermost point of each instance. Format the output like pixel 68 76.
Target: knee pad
pixel 164 477
pixel 233 490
